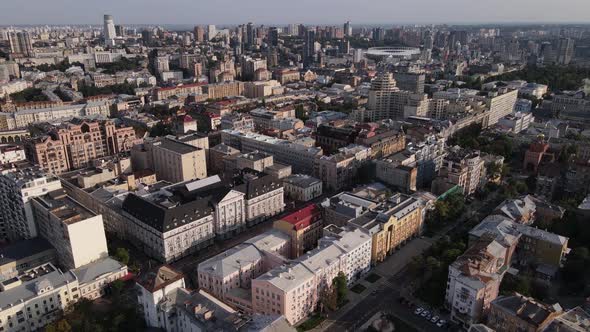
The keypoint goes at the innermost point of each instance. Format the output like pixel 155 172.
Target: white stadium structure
pixel 394 52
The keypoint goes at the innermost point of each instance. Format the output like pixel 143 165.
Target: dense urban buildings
pixel 291 172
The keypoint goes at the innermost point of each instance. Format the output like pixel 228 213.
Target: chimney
pixel 208 315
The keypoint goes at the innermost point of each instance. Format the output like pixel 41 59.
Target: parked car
pixel 428 316
pixel 434 319
pixel 424 313
pixel 418 311
pixel 441 323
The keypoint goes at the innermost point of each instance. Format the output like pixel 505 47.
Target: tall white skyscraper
pixel 211 31
pixel 109 30
pixel 347 29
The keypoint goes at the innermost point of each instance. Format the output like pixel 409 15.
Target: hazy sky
pixel 295 11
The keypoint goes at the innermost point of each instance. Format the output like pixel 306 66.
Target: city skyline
pixel 183 12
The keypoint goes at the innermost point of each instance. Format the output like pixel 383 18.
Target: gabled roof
pixel 159 278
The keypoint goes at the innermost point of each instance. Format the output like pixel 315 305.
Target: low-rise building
pixel 341 170
pixel 33 300
pixel 173 222
pixel 24 255
pixel 391 224
pixel 516 123
pixel 304 227
pixel 237 267
pixel 169 306
pixel 294 290
pixel 516 313
pixel 535 246
pixel 342 207
pixel 10 153
pixel 301 157
pixel 95 277
pixel 398 170
pixel 474 279
pixel 302 187
pixel 461 168
pixel 573 320
pixel 263 195
pixel 521 210
pixel 175 161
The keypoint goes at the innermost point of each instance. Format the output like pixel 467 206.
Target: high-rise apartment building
pixel 109 31
pixel 273 36
pixel 565 51
pixel 309 47
pixel 17 187
pixel 199 34
pixel 250 34
pixel 20 43
pixel 412 82
pixel 347 29
pixel 74 231
pixel 386 101
pixel 211 31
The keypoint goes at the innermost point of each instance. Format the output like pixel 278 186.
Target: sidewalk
pixel 387 269
pixel 353 300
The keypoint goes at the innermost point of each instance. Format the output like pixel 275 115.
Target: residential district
pixel 296 177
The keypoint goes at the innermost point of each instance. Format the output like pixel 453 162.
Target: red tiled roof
pixel 303 217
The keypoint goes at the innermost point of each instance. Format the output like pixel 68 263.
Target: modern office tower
pixel 347 29
pixel 412 82
pixel 565 51
pixel 428 41
pixel 250 34
pixel 293 30
pixel 199 34
pixel 458 37
pixel 147 36
pixel 17 187
pixel 273 36
pixel 109 31
pixel 309 48
pixel 378 34
pixel 211 31
pixel 20 43
pixel 344 46
pixel 120 30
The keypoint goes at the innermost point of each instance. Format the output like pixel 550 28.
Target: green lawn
pixel 310 323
